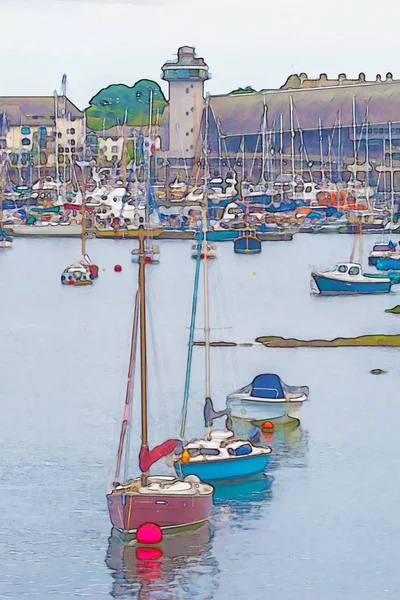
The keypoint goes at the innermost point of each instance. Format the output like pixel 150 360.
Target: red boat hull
pixel 129 511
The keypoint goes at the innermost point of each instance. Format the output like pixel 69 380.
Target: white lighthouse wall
pixel 186 103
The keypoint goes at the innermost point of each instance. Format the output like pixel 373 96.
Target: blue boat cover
pixel 247 243
pixel 267 386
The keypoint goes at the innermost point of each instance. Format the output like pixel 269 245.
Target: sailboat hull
pixel 129 511
pixel 236 468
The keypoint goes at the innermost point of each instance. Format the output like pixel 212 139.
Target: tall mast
pixel 263 138
pixel 321 152
pixel 149 156
pixel 243 158
pixel 281 152
pixel 124 148
pixel 367 178
pixel 391 172
pixel 339 154
pixel 83 208
pixel 354 137
pixel 204 251
pixel 292 134
pixel 143 340
pixel 56 145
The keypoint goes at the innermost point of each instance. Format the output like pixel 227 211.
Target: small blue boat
pixel 222 457
pixel 247 243
pixel 384 264
pixel 348 278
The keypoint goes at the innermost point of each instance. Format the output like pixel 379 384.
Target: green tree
pixel 110 105
pixel 246 90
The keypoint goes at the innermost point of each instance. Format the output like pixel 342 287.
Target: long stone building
pixel 317 126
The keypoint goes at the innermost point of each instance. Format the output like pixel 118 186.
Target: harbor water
pixel 323 522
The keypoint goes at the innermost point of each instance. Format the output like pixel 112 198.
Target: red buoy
pixel 267 425
pixel 117 268
pixel 71 282
pixel 149 533
pixel 202 255
pixel 147 259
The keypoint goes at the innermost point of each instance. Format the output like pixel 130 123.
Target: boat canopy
pixel 266 385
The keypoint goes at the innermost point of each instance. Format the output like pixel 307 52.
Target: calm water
pixel 322 525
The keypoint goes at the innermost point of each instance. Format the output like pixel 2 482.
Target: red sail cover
pixel 149 457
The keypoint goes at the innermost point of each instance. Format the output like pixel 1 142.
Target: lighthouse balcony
pixel 177 74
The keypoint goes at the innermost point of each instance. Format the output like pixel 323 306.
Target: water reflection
pixel 243 501
pixel 289 442
pixel 166 571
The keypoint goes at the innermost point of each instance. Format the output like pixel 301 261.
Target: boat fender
pixel 241 451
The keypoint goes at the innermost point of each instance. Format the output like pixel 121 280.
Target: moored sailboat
pixel 164 500
pixel 219 455
pixel 81 272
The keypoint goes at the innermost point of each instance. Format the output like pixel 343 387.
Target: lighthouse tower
pixel 186 77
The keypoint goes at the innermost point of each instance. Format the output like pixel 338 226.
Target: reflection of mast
pixel 281 152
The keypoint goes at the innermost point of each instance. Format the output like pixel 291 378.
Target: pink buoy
pixel 117 268
pixel 149 533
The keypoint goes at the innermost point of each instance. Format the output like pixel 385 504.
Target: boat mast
pixel 149 157
pixel 292 134
pixel 56 145
pixel 263 138
pixel 339 154
pixel 205 258
pixel 391 172
pixel 367 179
pixel 83 208
pixel 354 138
pixel 143 339
pixel 321 152
pixel 281 152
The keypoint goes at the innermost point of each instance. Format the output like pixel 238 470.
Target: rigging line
pixel 254 156
pixel 226 364
pixel 191 338
pixel 163 390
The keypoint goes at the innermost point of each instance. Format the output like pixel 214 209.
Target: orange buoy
pixel 185 456
pixel 267 425
pixel 117 268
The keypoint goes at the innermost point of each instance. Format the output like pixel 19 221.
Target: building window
pixel 14 158
pixel 42 131
pixel 59 134
pixel 25 130
pixel 26 142
pixel 43 158
pixel 187 134
pixel 71 131
pixel 191 131
pixel 187 113
pixel 187 90
pixel 71 142
pixel 42 143
pixel 191 85
pixel 114 149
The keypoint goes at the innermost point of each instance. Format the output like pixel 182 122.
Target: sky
pixel 244 42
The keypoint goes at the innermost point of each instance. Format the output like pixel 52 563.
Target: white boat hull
pixel 56 231
pixel 257 410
